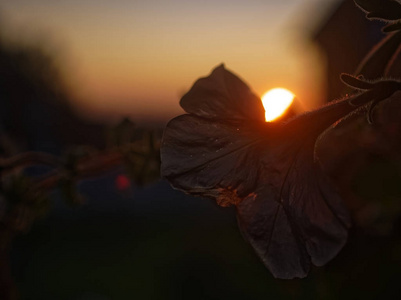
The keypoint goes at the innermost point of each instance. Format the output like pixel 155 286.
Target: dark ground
pixel 161 244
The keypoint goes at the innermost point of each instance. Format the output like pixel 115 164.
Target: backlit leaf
pixel 222 95
pixel 374 91
pixel 287 209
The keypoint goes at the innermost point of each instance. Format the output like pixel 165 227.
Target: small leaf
pixel 388 10
pixel 355 82
pixel 375 92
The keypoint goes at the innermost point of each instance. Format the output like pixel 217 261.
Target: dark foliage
pixel 286 206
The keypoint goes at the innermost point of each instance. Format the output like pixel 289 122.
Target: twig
pixel 29 159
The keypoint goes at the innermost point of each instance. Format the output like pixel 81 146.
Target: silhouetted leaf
pixel 375 91
pixel 218 158
pixel 381 9
pixel 287 209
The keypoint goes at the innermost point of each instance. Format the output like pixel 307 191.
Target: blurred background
pixel 71 70
pixel 138 58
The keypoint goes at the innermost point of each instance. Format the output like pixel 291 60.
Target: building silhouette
pixel 344 37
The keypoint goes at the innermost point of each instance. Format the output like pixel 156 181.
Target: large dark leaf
pixel 217 158
pixel 299 222
pixel 287 209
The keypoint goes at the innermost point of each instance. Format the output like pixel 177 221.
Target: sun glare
pixel 276 102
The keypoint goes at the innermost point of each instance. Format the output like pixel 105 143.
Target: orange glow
pixel 276 102
pixel 146 56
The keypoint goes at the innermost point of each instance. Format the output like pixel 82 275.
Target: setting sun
pixel 276 102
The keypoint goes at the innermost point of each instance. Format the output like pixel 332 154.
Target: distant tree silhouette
pixel 38 123
pixel 35 107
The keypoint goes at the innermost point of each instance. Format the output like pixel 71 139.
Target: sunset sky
pixel 137 58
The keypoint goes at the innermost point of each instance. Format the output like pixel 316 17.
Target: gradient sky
pixel 137 58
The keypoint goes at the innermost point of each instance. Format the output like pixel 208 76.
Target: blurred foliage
pixel 140 149
pixel 20 205
pixel 45 146
pixel 37 115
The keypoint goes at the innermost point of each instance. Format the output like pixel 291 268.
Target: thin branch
pixel 29 159
pixel 87 167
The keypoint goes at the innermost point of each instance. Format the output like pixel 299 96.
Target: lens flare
pixel 276 102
